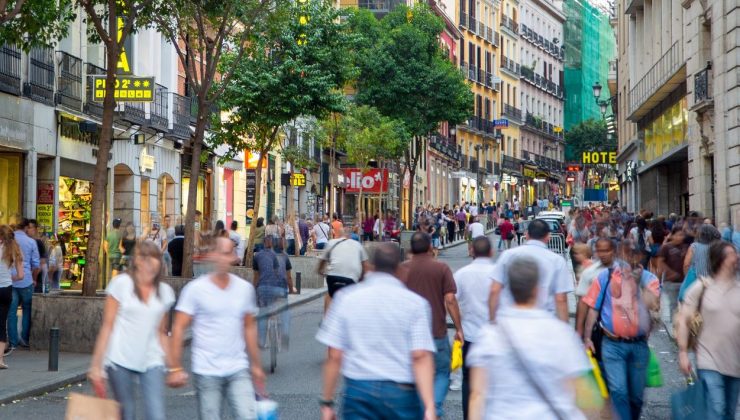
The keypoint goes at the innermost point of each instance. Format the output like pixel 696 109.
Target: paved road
pixel 297 382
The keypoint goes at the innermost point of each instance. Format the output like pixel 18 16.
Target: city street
pixel 296 383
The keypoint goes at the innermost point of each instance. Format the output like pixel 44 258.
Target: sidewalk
pixel 28 375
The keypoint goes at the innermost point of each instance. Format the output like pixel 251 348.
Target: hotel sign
pixel 128 89
pixel 599 158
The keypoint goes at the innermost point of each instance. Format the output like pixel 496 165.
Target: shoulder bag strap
pixel 603 295
pixel 328 255
pixel 530 376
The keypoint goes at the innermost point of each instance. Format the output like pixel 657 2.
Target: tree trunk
pixel 197 147
pixel 257 204
pixel 100 178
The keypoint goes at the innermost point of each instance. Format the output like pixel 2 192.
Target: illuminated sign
pixel 573 168
pixel 503 123
pixel 128 89
pixel 599 158
pixel 298 180
pixel 528 172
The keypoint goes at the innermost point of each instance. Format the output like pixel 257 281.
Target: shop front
pixel 203 191
pixel 11 186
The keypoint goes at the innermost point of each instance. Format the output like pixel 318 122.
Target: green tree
pixel 30 23
pixel 293 69
pixel 588 136
pixel 111 22
pixel 406 76
pixel 365 134
pixel 202 32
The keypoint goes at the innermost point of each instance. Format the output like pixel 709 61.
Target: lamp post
pixel 603 107
pixel 478 148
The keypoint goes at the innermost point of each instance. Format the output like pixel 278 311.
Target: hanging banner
pixel 373 181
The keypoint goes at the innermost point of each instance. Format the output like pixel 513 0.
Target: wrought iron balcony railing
pixel 512 112
pixel 91 107
pixel 10 69
pixel 703 86
pixel 40 84
pixel 180 116
pixel 510 24
pixel 158 111
pixel 69 83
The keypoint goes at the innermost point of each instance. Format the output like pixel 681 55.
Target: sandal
pixel 3 365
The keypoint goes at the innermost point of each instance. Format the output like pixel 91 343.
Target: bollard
pixel 53 349
pixel 298 282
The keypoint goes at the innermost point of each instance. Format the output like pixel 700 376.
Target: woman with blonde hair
pixel 132 345
pixel 11 259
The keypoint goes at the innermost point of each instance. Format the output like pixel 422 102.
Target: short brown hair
pixel 717 255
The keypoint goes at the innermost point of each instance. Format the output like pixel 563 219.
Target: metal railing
pixel 180 116
pixel 444 145
pixel 40 84
pixel 509 24
pixel 670 63
pixel 133 112
pixel 703 86
pixel 509 65
pixel 91 107
pixel 10 69
pixel 69 83
pixel 512 112
pixel 158 117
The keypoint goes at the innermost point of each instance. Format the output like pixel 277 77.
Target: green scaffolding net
pixel 589 46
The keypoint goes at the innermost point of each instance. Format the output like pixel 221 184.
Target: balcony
pixel 510 66
pixel 492 36
pixel 180 116
pixel 91 107
pixel 133 112
pixel 703 90
pixel 662 79
pixel 512 113
pixel 464 20
pixel 482 30
pixel 69 83
pixel 40 84
pixel 612 77
pixel 489 166
pixel 542 127
pixel 158 118
pixel 445 146
pixel 510 26
pixel 10 69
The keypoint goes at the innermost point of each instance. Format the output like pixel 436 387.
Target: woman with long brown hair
pixel 132 343
pixel 11 259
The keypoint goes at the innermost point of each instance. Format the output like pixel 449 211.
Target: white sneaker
pixel 455 385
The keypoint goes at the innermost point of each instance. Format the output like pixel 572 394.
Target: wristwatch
pixel 326 403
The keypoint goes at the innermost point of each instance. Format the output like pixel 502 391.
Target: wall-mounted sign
pixel 503 123
pixel 508 179
pixel 146 161
pixel 45 217
pixel 45 194
pixel 528 172
pixel 570 179
pixel 458 174
pixel 631 170
pixel 298 180
pixel 372 181
pixel 251 191
pixel 599 158
pixel 128 89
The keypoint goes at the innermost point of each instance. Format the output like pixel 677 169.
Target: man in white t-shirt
pixel 222 309
pixel 343 263
pixel 321 233
pixel 476 229
pixel 237 239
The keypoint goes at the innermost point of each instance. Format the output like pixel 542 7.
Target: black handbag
pixel 597 333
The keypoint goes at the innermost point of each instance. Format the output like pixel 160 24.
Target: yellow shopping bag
pixel 597 375
pixel 456 361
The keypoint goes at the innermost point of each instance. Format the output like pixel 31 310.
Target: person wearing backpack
pixel 642 240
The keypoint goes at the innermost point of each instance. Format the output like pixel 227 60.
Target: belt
pixel 622 339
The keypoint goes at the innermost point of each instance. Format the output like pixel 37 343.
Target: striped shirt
pixel 377 324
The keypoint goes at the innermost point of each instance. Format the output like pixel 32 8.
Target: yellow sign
pixel 599 158
pixel 128 89
pixel 528 172
pixel 122 65
pixel 298 180
pixel 146 161
pixel 45 217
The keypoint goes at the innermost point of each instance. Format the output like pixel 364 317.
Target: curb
pixel 59 382
pixel 462 242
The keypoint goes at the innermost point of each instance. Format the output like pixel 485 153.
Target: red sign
pixel 374 181
pixel 45 194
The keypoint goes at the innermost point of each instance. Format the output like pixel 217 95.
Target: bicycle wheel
pixel 273 340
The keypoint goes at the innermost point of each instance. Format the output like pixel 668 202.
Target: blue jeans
pixel 290 247
pixel 236 388
pixel 273 298
pixel 625 366
pixel 442 358
pixel 722 394
pixel 21 296
pixel 364 400
pixel 122 382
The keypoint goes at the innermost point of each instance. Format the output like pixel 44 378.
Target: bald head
pixel 386 258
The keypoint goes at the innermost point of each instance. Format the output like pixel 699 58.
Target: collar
pixel 514 312
pixel 21 232
pixel 482 261
pixel 536 243
pixel 385 279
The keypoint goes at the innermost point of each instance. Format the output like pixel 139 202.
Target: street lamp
pixel 602 104
pixel 478 148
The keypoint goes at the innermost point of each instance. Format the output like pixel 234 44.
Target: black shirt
pixel 175 248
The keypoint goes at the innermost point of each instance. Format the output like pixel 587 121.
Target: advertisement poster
pixel 45 217
pixel 251 192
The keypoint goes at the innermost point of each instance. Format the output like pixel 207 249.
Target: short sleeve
pixel 166 295
pixel 650 282
pixel 187 303
pixel 449 281
pixel 563 279
pixel 592 297
pixel 120 287
pixel 363 253
pixel 421 328
pixel 250 306
pixel 332 331
pixel 692 296
pixel 499 270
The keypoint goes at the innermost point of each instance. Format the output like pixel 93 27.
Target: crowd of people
pixel 385 321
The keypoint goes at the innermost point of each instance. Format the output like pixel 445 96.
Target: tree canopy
pixel 30 23
pixel 587 136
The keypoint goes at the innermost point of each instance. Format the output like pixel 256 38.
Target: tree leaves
pixel 31 23
pixel 587 136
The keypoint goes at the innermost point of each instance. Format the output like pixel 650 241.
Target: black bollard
pixel 53 349
pixel 298 282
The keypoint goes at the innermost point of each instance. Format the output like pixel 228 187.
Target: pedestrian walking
pixel 220 308
pixel 133 345
pixel 527 365
pixel 259 236
pixel 128 242
pixel 378 335
pixel 506 230
pixel 321 233
pixel 337 227
pixel 473 284
pixel 606 254
pixel 42 243
pixel 56 264
pixel 273 281
pixel 344 262
pixel 669 264
pixel 23 289
pixel 304 232
pixel 236 238
pixel 11 270
pixel 433 280
pixel 716 298
pixel 157 237
pixel 176 248
pixel 461 218
pixel 555 279
pixel 367 228
pixel 696 261
pixel 623 296
pixel 642 240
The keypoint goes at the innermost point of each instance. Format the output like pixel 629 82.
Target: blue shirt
pixel 31 258
pixel 272 268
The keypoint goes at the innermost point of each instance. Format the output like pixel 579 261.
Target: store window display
pixel 75 198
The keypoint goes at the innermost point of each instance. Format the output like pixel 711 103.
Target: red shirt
pixel 505 228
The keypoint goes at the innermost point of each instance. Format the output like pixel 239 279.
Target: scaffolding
pixel 589 46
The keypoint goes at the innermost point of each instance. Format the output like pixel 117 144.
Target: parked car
pixel 554 219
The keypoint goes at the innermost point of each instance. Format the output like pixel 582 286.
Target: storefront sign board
pixel 298 180
pixel 128 89
pixel 45 217
pixel 45 193
pixel 251 191
pixel 373 181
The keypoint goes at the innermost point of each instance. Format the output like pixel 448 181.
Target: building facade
pixel 542 98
